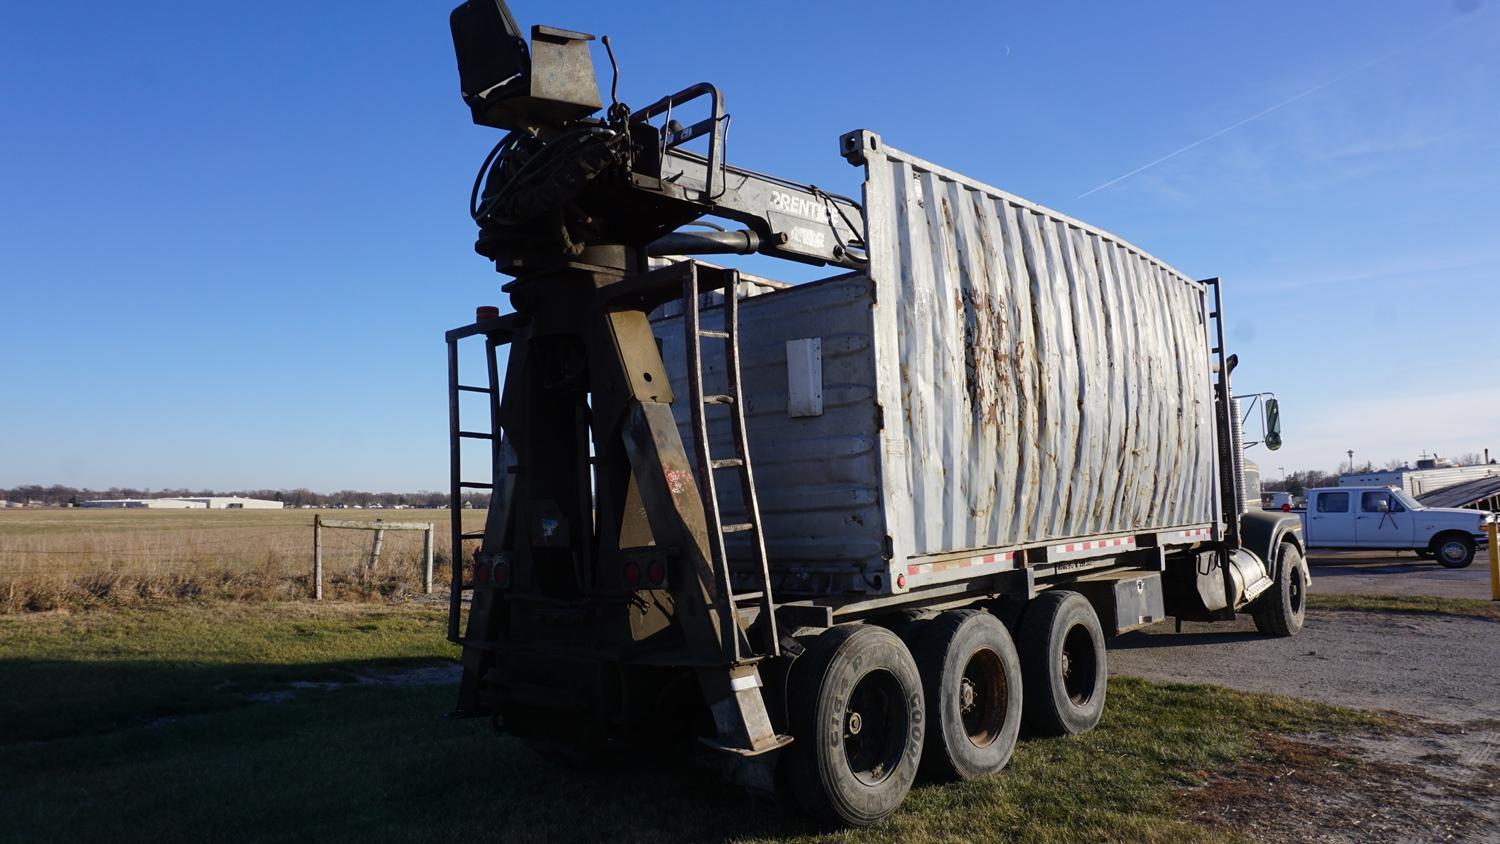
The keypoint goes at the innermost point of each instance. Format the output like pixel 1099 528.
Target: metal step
pixel 718 399
pixel 728 463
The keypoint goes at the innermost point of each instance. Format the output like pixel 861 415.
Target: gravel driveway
pixel 1392 573
pixel 1435 666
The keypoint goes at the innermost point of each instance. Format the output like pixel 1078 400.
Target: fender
pixel 1262 531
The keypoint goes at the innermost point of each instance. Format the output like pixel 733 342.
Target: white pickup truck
pixel 1387 517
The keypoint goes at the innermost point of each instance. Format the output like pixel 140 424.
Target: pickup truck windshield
pixel 1406 500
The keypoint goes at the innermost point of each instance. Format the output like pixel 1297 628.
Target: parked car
pixel 1387 517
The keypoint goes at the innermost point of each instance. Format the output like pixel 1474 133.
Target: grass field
pixel 1425 604
pixel 79 557
pixel 237 721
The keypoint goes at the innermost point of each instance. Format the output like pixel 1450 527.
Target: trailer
pixel 837 531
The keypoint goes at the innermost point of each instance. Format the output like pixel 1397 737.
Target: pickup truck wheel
pixel 971 680
pixel 1063 668
pixel 1453 550
pixel 855 706
pixel 1283 609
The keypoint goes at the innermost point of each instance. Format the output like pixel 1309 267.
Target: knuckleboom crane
pixel 600 532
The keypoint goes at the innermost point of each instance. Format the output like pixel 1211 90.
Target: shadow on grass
pixel 47 699
pixel 193 755
pixel 377 763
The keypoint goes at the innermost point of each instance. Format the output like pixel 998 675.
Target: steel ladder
pixel 729 604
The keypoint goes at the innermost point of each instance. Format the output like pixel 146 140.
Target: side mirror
pixel 1273 423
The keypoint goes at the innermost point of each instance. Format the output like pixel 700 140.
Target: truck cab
pixel 1387 517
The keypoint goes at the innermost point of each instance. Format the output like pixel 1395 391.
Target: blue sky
pixel 232 236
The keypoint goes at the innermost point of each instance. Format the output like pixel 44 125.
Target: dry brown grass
pixel 58 559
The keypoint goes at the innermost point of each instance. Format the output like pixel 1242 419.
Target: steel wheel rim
pixel 982 697
pixel 874 727
pixel 1452 551
pixel 1079 664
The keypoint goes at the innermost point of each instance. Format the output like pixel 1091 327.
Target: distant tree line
pixel 60 495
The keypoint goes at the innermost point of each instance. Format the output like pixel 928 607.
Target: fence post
pixel 317 557
pixel 427 561
pixel 375 549
pixel 1494 531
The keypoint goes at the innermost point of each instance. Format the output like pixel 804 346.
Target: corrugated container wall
pixel 1052 381
pixel 1002 376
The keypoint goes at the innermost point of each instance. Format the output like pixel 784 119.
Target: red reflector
pixel 632 575
pixel 656 573
pixel 501 575
pixel 481 572
pixel 1286 508
pixel 900 581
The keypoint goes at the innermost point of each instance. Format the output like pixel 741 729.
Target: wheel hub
pixel 875 727
pixel 966 694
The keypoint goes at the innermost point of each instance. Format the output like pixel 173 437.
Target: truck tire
pixel 1453 550
pixel 1063 667
pixel 1282 610
pixel 855 707
pixel 971 680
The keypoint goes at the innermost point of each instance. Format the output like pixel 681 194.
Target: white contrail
pixel 1283 104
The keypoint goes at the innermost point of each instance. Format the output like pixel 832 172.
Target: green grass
pixel 69 675
pixel 1471 607
pixel 139 726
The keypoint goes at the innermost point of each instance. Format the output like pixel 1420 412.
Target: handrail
pixel 713 126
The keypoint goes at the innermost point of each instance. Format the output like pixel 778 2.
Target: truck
pixel 829 533
pixel 1277 501
pixel 1387 517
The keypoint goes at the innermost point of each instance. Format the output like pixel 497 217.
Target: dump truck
pixel 830 533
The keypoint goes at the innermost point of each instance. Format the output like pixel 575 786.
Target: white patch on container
pixel 804 377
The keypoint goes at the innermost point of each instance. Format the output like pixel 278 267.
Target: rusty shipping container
pixel 1001 377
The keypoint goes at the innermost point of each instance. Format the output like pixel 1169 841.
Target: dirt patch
pixel 436 674
pixel 1320 789
pixel 1435 778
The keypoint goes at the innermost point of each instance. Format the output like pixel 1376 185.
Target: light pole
pixel 1350 452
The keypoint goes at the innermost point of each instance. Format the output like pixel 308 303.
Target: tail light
pixel 491 570
pixel 632 574
pixel 656 572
